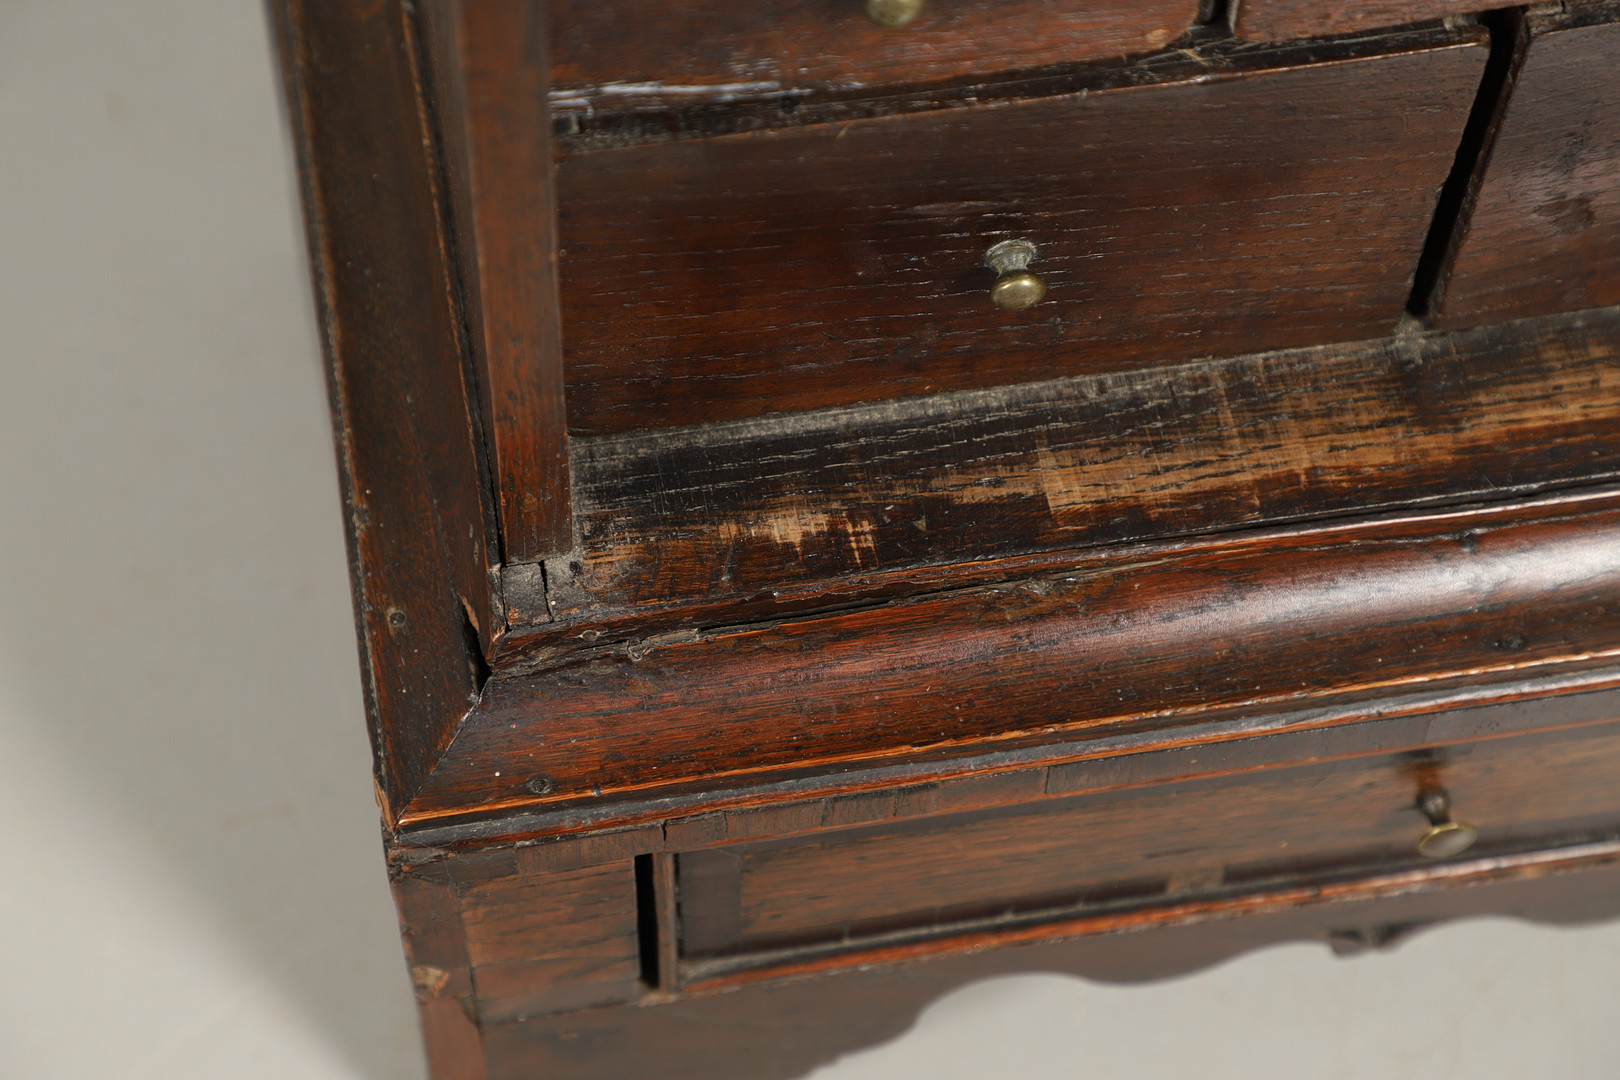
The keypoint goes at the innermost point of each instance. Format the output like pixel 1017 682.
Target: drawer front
pixel 613 55
pixel 1543 231
pixel 829 264
pixel 1293 822
pixel 1281 20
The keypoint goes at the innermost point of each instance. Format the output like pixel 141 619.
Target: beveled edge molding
pixel 1445 604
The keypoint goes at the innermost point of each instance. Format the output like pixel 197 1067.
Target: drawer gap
pixel 1509 43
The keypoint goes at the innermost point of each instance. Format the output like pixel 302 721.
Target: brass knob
pixel 1446 836
pixel 1016 288
pixel 893 12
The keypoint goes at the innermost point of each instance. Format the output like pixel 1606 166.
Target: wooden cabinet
pixel 744 596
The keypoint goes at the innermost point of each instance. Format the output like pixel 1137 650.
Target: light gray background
pixel 192 884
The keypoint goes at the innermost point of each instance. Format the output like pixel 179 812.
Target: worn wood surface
pixel 783 1029
pixel 1144 842
pixel 1540 232
pixel 489 62
pixel 758 519
pixel 414 499
pixel 1286 620
pixel 1281 20
pixel 614 56
pixel 553 941
pixel 1246 202
pixel 436 950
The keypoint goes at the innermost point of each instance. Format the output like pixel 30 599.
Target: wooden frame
pixel 577 669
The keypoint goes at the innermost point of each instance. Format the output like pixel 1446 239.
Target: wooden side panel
pixel 413 496
pixel 614 55
pixel 489 58
pixel 1268 626
pixel 1542 230
pixel 843 503
pixel 549 942
pixel 1227 211
pixel 1281 20
pixel 1143 841
pixel 436 949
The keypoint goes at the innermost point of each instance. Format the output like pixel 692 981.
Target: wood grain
pixel 1280 20
pixel 614 56
pixel 552 942
pixel 759 519
pixel 436 950
pixel 836 888
pixel 489 60
pixel 1211 744
pixel 419 549
pixel 783 1029
pixel 1402 605
pixel 1244 203
pixel 1541 229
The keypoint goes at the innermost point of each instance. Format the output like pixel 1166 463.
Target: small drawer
pixel 1541 231
pixel 1243 831
pixel 1283 20
pixel 1176 212
pixel 615 56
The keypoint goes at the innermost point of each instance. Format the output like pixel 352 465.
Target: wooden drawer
pixel 1280 20
pixel 1540 232
pixel 1237 830
pixel 1178 212
pixel 613 55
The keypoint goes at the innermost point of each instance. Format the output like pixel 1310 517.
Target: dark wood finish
pixel 436 949
pixel 401 400
pixel 551 942
pixel 1180 213
pixel 490 65
pixel 1298 619
pixel 756 520
pixel 1540 232
pixel 615 56
pixel 836 889
pixel 887 642
pixel 782 1029
pixel 1281 20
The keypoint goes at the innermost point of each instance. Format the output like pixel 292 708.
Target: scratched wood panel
pixel 1251 627
pixel 1541 230
pixel 755 517
pixel 613 55
pixel 1214 206
pixel 1280 20
pixel 1289 821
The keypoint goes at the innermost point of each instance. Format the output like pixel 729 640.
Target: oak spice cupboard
pixel 847 498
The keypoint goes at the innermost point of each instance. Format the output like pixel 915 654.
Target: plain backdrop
pixel 192 883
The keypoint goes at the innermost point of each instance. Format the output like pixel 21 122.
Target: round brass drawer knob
pixel 893 12
pixel 1015 288
pixel 1445 836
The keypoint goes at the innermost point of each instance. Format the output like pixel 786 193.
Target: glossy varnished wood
pixel 613 55
pixel 489 62
pixel 401 396
pixel 1188 206
pixel 762 518
pixel 1239 626
pixel 1540 231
